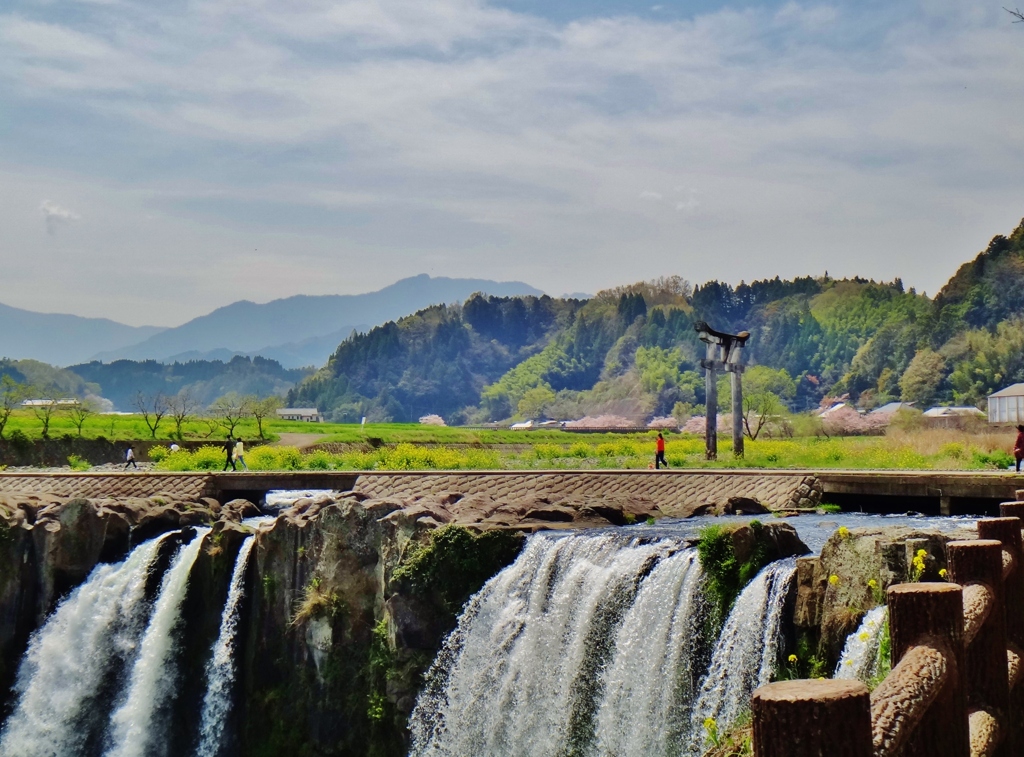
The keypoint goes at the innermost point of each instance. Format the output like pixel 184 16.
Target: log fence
pixel 955 688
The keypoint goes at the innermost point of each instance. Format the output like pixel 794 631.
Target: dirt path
pixel 301 441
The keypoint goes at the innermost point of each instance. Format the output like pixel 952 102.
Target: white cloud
pixel 55 216
pixel 500 137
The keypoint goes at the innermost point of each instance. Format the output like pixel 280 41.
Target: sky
pixel 161 159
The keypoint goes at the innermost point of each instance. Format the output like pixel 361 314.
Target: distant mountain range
pixel 61 339
pixel 296 331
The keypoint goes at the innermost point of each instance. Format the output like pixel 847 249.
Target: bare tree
pixel 261 409
pixel 1018 17
pixel 45 406
pixel 230 409
pixel 152 409
pixel 80 412
pixel 11 395
pixel 182 406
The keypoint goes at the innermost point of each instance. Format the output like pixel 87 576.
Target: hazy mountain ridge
pixel 304 329
pixel 62 338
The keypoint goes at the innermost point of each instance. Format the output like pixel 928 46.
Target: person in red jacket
pixel 1018 446
pixel 659 459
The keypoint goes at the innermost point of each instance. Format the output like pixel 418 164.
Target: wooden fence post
pixel 812 719
pixel 932 614
pixel 978 567
pixel 1007 531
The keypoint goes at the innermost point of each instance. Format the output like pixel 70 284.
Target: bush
pixel 319 460
pixel 78 463
pixel 158 452
pixel 581 450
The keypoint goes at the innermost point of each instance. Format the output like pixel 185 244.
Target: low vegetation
pixel 928 450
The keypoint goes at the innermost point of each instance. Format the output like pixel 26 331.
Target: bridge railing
pixel 955 689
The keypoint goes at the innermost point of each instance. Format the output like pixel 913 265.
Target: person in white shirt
pixel 129 458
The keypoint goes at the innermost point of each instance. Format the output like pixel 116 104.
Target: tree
pixel 11 395
pixel 763 392
pixel 1018 17
pixel 534 401
pixel 152 408
pixel 81 411
pixel 260 409
pixel 181 407
pixel 230 410
pixel 45 405
pixel 921 381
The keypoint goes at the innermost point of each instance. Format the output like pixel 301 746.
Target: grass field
pixel 926 450
pixel 418 447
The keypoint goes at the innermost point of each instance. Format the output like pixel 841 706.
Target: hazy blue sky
pixel 159 158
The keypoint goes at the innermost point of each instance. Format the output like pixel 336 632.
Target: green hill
pixel 632 351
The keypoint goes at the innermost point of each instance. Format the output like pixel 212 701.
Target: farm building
pixel 1007 405
pixel 308 414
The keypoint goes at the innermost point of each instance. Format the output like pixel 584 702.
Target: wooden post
pixel 934 613
pixel 736 377
pixel 974 563
pixel 1007 531
pixel 711 403
pixel 812 719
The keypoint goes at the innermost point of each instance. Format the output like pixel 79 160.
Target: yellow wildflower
pixel 793 658
pixel 922 553
pixel 844 532
pixel 710 724
pixel 864 636
pixel 872 584
pixel 833 580
pixel 942 573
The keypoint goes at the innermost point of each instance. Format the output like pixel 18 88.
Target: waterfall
pixel 747 649
pixel 860 653
pixel 62 674
pixel 152 682
pixel 648 687
pixel 220 671
pixel 521 674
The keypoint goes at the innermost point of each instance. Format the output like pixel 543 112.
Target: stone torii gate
pixel 724 353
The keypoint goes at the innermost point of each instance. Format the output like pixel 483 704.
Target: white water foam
pixel 67 658
pixel 860 653
pixel 220 671
pixel 649 685
pixel 747 650
pixel 133 732
pixel 520 675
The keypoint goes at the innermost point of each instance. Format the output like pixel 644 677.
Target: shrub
pixel 78 463
pixel 158 452
pixel 581 450
pixel 319 460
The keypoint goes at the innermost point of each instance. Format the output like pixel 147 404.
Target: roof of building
pixel 298 411
pixel 891 407
pixel 1013 390
pixel 941 412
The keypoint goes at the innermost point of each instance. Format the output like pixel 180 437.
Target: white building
pixel 1007 405
pixel 307 414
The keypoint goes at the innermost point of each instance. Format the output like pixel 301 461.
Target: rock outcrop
pixel 855 568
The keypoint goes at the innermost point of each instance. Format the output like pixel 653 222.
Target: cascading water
pixel 133 730
pixel 520 675
pixel 649 685
pixel 860 658
pixel 586 646
pixel 747 649
pixel 220 671
pixel 95 628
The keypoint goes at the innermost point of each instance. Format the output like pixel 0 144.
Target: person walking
pixel 659 458
pixel 129 458
pixel 1018 446
pixel 240 454
pixel 229 449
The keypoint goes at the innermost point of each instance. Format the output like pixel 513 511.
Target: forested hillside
pixel 204 380
pixel 632 351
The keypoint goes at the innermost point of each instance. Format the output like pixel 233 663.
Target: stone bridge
pixel 676 492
